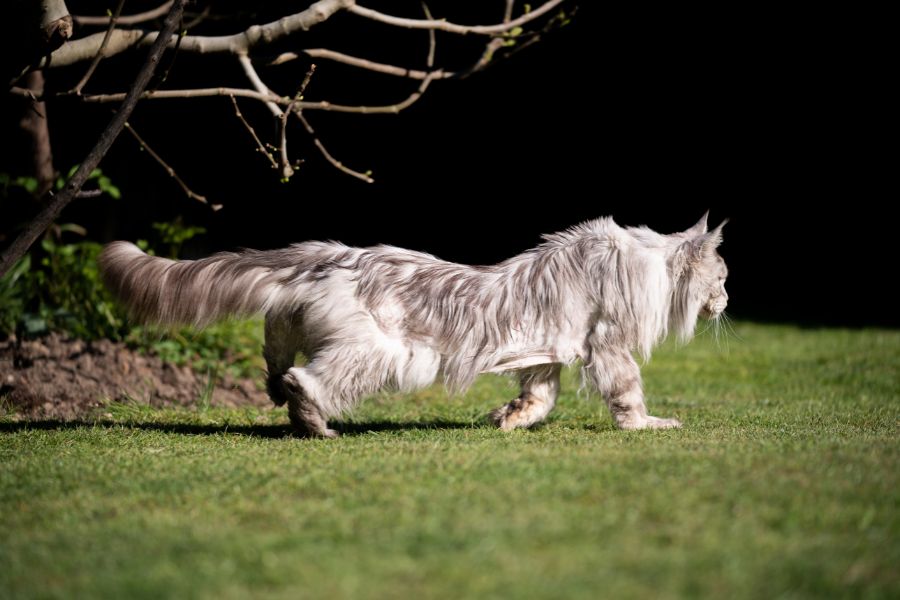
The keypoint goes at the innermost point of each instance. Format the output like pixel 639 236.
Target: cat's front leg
pixel 540 387
pixel 617 377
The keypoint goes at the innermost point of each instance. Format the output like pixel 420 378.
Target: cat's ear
pixel 707 243
pixel 699 228
pixel 704 244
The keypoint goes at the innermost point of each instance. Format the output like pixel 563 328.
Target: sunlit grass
pixel 783 483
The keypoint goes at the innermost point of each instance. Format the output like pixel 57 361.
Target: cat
pixel 370 319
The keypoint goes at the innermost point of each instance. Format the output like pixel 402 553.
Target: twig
pixel 127 19
pixel 162 74
pixel 187 190
pixel 287 171
pixel 493 45
pixel 43 220
pixel 26 93
pixel 256 139
pixel 325 153
pixel 429 61
pixel 303 86
pixel 198 17
pixel 99 56
pixel 441 25
pixel 169 94
pixel 272 101
pixel 363 63
pixel 296 106
pixel 88 193
pixel 268 98
pixel 518 43
pixel 507 13
pixel 411 99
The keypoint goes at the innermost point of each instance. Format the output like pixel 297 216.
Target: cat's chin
pixel 709 315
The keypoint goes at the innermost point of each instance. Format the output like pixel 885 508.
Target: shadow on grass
pixel 261 431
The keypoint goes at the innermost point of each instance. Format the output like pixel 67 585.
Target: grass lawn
pixel 784 482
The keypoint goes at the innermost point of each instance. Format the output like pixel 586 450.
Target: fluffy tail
pixel 189 292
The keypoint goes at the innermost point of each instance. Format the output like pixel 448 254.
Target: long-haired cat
pixel 379 318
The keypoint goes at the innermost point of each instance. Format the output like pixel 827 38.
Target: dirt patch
pixel 59 378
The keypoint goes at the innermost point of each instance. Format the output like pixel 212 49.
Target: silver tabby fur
pixel 371 319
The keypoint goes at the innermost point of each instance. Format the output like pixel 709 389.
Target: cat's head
pixel 701 271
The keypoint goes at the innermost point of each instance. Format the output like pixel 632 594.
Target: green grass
pixel 784 482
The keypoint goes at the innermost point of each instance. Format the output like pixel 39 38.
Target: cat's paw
pixel 659 423
pixel 523 412
pixel 648 422
pixel 304 430
pixel 500 417
pixel 513 415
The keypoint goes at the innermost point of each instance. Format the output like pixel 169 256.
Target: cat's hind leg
pixel 304 397
pixel 283 341
pixel 334 381
pixel 540 388
pixel 296 386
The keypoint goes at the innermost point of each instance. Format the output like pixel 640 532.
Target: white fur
pixel 388 318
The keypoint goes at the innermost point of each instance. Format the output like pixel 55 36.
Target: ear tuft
pixel 712 240
pixel 699 228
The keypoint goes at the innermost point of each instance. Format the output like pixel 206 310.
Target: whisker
pixel 729 324
pixel 703 331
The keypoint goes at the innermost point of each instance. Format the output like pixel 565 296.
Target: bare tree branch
pixel 362 63
pixel 272 101
pixel 287 171
pixel 115 40
pixel 493 45
pixel 268 98
pixel 112 26
pixel 52 11
pixel 187 190
pixel 239 43
pixel 324 151
pixel 169 94
pixel 507 12
pixel 441 25
pixel 327 155
pixel 198 17
pixel 43 220
pixel 305 84
pixel 252 131
pixel 56 23
pixel 135 19
pixel 295 106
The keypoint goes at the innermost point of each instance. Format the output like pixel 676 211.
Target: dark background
pixel 649 115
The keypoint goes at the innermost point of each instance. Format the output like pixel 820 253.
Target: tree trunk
pixel 34 125
pixel 51 211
